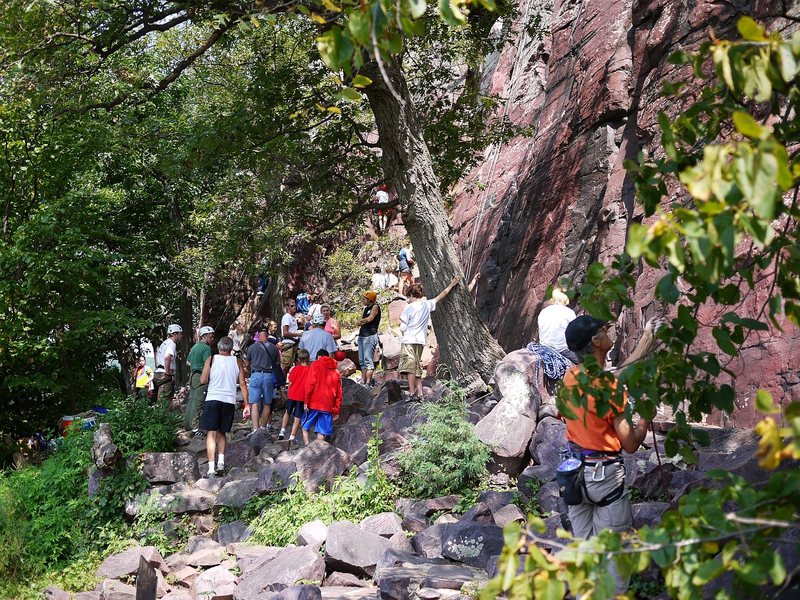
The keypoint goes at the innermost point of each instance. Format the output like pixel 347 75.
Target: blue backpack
pixel 303 303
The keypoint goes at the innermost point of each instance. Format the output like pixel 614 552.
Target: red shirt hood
pixel 326 362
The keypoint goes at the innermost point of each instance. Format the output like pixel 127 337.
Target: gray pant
pixel 588 519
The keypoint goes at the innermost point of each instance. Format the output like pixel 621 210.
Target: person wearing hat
pixel 368 336
pixel 597 441
pixel 197 391
pixel 166 361
pixel 262 357
pixel 316 338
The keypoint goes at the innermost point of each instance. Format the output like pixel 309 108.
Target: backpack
pixel 303 303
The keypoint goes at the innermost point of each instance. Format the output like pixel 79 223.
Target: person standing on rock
pixel 166 362
pixel 414 326
pixel 594 444
pixel 262 357
pixel 316 338
pixel 331 324
pixel 323 397
pixel 405 264
pixel 197 391
pixel 236 333
pixel 368 336
pixel 552 322
pixel 296 394
pixel 221 373
pixel 289 336
pixel 142 378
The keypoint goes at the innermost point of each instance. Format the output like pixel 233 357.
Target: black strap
pixel 273 358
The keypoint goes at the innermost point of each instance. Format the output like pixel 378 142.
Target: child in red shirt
pixel 295 405
pixel 323 396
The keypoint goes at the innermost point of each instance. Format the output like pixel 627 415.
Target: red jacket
pixel 324 386
pixel 298 379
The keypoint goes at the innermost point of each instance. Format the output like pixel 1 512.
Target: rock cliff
pixel 586 83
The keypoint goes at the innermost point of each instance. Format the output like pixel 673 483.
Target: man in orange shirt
pixel 601 501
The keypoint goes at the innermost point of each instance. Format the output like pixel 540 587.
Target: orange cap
pixel 371 296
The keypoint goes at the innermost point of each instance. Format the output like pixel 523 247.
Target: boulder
pixel 514 379
pixel 126 563
pixel 170 467
pixel 507 514
pixel 547 410
pixel 320 463
pixel 549 498
pixel 428 542
pixel 391 442
pixel 400 542
pixel 258 439
pixel 548 442
pixel 180 498
pixel 383 524
pixel 288 566
pixel 391 351
pixel 432 505
pixel 339 579
pixel 401 582
pixel 414 522
pixel 54 593
pixel 298 592
pixel 238 454
pixel 533 477
pixel 394 310
pixel 649 482
pixel 312 534
pixel 111 589
pixel 177 595
pixel 507 432
pixel 346 368
pixel 479 512
pixel 217 583
pixel 92 595
pixel 553 523
pixel 349 548
pixel 252 557
pixel 345 593
pixel 472 543
pixel 228 533
pixel 200 551
pixel 496 500
pixel 236 493
pixel 648 513
pixel 184 577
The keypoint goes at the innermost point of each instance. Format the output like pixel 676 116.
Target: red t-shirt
pixel 298 377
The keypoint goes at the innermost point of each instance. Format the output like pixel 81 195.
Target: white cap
pixel 318 318
pixel 205 330
pixel 174 329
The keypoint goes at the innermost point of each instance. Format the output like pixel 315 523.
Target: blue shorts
pixel 321 421
pixel 295 408
pixel 261 388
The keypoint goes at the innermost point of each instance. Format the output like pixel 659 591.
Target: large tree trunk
pixel 466 346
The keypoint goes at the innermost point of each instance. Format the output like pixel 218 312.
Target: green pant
pixel 197 399
pixel 165 386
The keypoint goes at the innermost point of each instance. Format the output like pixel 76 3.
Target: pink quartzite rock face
pixel 545 206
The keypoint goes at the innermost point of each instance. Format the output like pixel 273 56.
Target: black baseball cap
pixel 263 328
pixel 581 330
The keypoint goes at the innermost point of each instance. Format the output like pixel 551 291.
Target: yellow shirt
pixel 143 376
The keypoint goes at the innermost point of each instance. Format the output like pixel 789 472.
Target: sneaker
pixel 281 436
pixel 220 469
pixel 210 475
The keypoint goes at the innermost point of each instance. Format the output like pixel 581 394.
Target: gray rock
pixel 400 541
pixel 298 592
pixel 514 379
pixel 201 551
pixel 506 432
pixel 258 440
pixel 236 493
pixel 251 557
pixel 507 514
pixel 339 579
pixel 312 534
pixel 648 513
pixel 274 575
pixel 649 482
pixel 547 410
pixel 54 593
pixel 549 499
pixel 548 442
pixel 185 576
pixel 472 543
pixel 93 595
pixel 533 476
pixel 396 558
pixel 348 548
pixel 170 467
pixel 427 507
pixel 217 583
pixel 480 513
pixel 177 595
pixel 228 533
pixel 343 593
pixel 495 500
pixel 276 477
pixel 238 454
pixel 111 589
pixel 414 522
pixel 126 563
pixel 553 523
pixel 400 582
pixel 428 542
pixel 383 524
pixel 319 463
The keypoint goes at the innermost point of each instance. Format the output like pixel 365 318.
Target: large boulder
pixel 394 310
pixel 428 542
pixel 284 570
pixel 427 507
pixel 350 549
pixel 237 493
pixel 111 589
pixel 297 592
pixel 201 551
pixel 275 477
pixel 217 583
pixel 507 432
pixel 514 379
pixel 175 499
pixel 648 513
pixel 239 454
pixel 170 467
pixel 472 543
pixel 319 463
pixel 384 524
pixel 126 563
pixel 313 533
pixel 252 557
pixel 229 533
pixel 391 351
pixel 402 582
pixel 547 444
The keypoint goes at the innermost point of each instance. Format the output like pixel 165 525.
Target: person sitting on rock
pixel 221 373
pixel 323 397
pixel 414 325
pixel 296 394
pixel 552 352
pixel 601 500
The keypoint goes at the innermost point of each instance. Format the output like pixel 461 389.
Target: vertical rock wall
pixel 545 205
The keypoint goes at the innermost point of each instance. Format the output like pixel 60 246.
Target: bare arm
pixel 443 294
pixel 291 334
pixel 631 436
pixel 168 364
pixel 206 371
pixel 242 382
pixel 372 315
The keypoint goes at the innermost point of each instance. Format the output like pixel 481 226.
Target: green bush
pixel 446 457
pixel 348 500
pixel 136 426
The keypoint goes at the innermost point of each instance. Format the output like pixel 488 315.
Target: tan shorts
pixel 411 359
pixel 287 356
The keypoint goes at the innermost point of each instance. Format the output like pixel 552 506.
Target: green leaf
pixel 548 589
pixel 708 570
pixel 358 24
pixel 667 290
pixel 765 403
pixel 751 30
pixel 748 126
pixel 360 81
pixel 451 13
pixel 418 8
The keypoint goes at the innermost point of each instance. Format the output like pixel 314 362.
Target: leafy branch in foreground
pixel 728 243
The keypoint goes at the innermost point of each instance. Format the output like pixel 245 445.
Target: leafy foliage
pixel 731 231
pixel 138 426
pixel 446 457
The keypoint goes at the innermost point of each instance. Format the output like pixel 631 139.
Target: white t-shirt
pixel 391 280
pixel 553 321
pixel 383 197
pixel 167 348
pixel 291 322
pixel 237 339
pixel 222 379
pixel 378 281
pixel 414 321
pixel 314 308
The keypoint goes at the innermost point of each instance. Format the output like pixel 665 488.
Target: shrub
pixel 446 457
pixel 136 426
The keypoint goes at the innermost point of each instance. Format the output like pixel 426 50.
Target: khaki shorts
pixel 288 355
pixel 411 359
